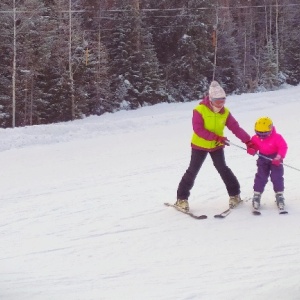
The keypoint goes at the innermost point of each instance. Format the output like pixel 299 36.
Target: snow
pixel 82 214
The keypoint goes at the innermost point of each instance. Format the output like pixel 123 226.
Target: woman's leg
pixel 229 179
pixel 188 179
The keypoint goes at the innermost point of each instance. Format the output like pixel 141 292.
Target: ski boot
pixel 256 200
pixel 234 201
pixel 280 200
pixel 182 204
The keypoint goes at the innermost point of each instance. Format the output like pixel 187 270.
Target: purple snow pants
pixel 265 168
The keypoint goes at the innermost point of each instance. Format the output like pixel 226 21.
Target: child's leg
pixel 277 178
pixel 262 174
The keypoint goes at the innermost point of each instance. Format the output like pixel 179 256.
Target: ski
pixel 223 214
pixel 256 212
pixel 282 211
pixel 226 212
pixel 198 217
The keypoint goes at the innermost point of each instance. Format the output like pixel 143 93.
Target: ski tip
pixel 223 215
pixel 219 216
pixel 200 217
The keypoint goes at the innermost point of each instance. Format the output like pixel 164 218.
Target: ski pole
pixel 263 156
pixel 258 154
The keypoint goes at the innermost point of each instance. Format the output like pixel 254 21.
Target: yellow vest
pixel 214 122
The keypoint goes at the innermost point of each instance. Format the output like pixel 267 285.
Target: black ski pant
pixel 197 159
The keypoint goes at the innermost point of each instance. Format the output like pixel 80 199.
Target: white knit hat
pixel 216 91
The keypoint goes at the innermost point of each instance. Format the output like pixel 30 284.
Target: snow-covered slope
pixel 82 214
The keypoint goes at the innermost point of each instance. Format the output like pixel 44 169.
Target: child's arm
pixel 252 148
pixel 282 146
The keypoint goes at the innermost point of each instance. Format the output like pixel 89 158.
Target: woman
pixel 209 120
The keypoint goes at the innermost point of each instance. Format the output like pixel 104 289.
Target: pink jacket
pixel 273 144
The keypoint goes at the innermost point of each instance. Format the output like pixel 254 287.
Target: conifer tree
pixel 228 70
pixel 269 77
pixel 152 88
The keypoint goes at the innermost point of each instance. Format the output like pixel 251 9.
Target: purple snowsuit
pixel 270 146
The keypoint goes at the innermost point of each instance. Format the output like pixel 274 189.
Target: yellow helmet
pixel 263 126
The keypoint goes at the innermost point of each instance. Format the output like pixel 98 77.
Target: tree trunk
pixel 70 64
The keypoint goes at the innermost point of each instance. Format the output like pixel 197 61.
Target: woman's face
pixel 218 102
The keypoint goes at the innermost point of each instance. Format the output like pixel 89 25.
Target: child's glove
pixel 251 148
pixel 222 140
pixel 277 160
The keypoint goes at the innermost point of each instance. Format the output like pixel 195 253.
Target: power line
pixel 164 9
pixel 204 8
pixel 114 29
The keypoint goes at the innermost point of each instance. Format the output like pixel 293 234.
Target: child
pixel 272 145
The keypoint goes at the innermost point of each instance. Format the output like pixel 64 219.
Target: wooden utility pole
pixel 14 66
pixel 215 44
pixel 277 40
pixel 136 6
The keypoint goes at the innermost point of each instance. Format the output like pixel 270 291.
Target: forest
pixel 63 60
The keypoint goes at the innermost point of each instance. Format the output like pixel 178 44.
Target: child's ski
pixel 198 217
pixel 256 212
pixel 282 211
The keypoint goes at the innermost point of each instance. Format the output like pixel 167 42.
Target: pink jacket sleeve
pixel 282 146
pixel 233 125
